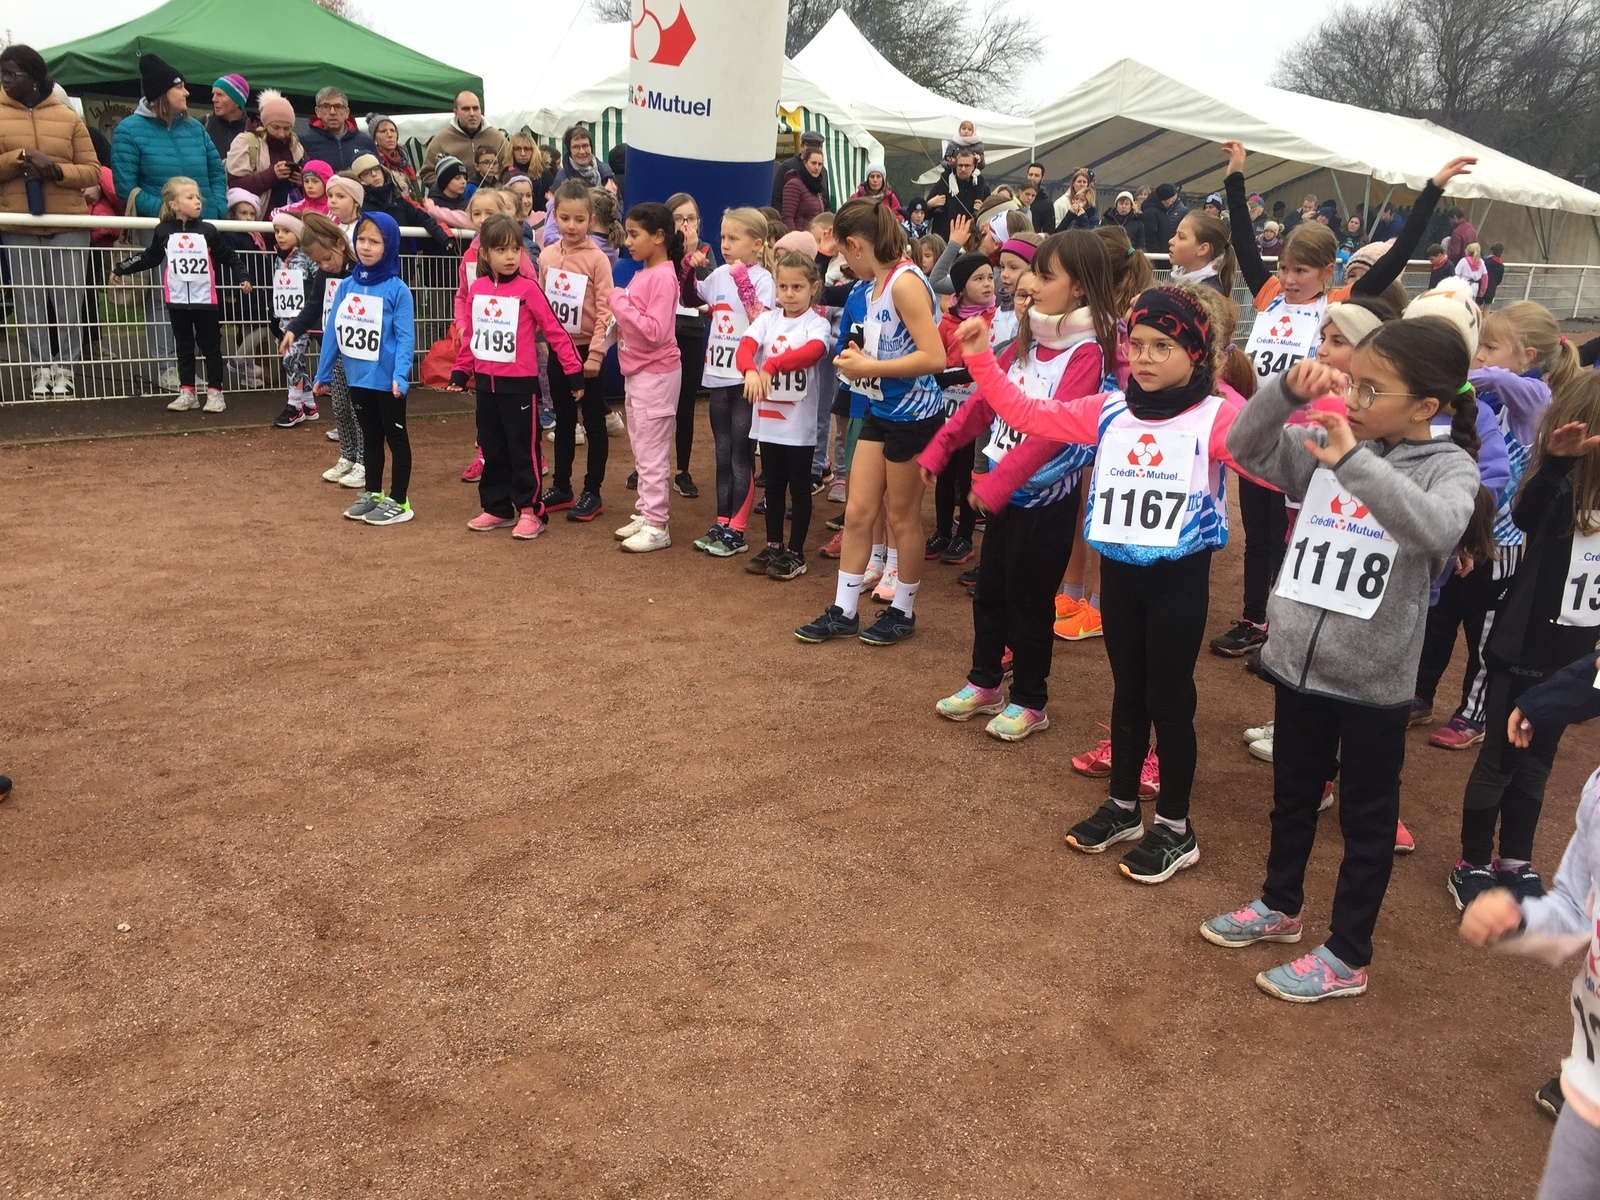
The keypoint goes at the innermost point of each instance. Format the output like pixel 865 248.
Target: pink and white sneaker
pixel 884 592
pixel 1320 975
pixel 529 526
pixel 1404 843
pixel 484 522
pixel 474 471
pixel 1096 763
pixel 1253 923
pixel 1150 777
pixel 872 577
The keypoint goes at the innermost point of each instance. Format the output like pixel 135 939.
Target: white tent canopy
pixel 911 121
pixel 1135 124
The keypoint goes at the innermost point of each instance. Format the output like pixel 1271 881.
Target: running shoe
pixel 338 471
pixel 1469 881
pixel 632 481
pixel 647 539
pixel 557 499
pixel 1262 748
pixel 187 401
pixel 1523 882
pixel 631 528
pixel 1016 722
pixel 833 547
pixel 871 577
pixel 729 543
pixel 309 410
pixel 935 546
pixel 959 551
pixel 1550 1099
pixel 1244 637
pixel 1457 733
pixel 1007 659
pixel 1421 711
pixel 970 702
pixel 1081 625
pixel 215 402
pixel 529 525
pixel 586 508
pixel 787 565
pixel 819 484
pixel 835 524
pixel 356 478
pixel 1096 763
pixel 1161 854
pixel 891 626
pixel 390 512
pixel 762 559
pixel 1150 777
pixel 831 624
pixel 614 425
pixel 333 435
pixel 1253 923
pixel 836 493
pixel 474 471
pixel 683 484
pixel 714 534
pixel 1320 975
pixel 1404 843
pixel 884 592
pixel 290 417
pixel 1256 732
pixel 1110 824
pixel 365 503
pixel 1066 605
pixel 487 521
pixel 968 579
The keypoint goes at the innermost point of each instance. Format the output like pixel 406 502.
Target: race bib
pixel 328 293
pixel 494 328
pixel 189 268
pixel 1580 599
pixel 955 395
pixel 1002 440
pixel 1280 339
pixel 1339 557
pixel 565 290
pixel 288 293
pixel 722 343
pixel 358 326
pixel 871 335
pixel 1142 486
pixel 788 386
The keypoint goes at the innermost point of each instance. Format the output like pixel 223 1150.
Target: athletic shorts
pixel 902 440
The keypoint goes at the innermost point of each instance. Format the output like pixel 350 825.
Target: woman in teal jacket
pixel 158 141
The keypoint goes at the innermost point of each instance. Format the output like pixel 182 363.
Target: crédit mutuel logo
pixel 663 37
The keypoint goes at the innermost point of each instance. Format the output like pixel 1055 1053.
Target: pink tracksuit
pixel 647 350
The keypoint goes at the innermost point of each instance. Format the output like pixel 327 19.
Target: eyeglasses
pixel 1156 352
pixel 1365 395
pixel 333 106
pixel 687 219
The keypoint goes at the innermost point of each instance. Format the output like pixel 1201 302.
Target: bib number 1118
pixel 1368 585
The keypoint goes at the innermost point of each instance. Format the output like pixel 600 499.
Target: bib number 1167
pixel 1151 509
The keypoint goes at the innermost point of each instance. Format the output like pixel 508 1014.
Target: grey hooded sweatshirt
pixel 1421 492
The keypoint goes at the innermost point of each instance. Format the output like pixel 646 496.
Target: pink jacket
pixel 462 305
pixel 533 316
pixel 646 312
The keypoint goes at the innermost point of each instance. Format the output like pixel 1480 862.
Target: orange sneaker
pixel 1066 605
pixel 1083 624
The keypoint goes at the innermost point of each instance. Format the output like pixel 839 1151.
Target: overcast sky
pixel 1094 35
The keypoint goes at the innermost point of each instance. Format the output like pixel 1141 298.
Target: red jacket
pixel 947 334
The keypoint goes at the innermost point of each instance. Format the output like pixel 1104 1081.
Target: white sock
pixel 892 563
pixel 1179 827
pixel 877 556
pixel 1072 591
pixel 905 595
pixel 1094 602
pixel 848 593
pixel 1126 805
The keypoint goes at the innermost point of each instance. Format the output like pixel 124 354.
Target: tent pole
pixel 1487 208
pixel 1373 224
pixel 1339 191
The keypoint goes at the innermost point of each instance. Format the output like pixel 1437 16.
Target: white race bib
pixel 189 269
pixel 1580 598
pixel 566 291
pixel 722 342
pixel 358 326
pixel 328 294
pixel 1280 338
pixel 955 395
pixel 288 293
pixel 1002 440
pixel 494 328
pixel 872 389
pixel 1144 503
pixel 1339 557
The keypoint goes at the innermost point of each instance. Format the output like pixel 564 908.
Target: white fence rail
pixel 69 333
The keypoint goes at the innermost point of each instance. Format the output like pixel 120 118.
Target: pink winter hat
pixel 318 168
pixel 275 108
pixel 800 241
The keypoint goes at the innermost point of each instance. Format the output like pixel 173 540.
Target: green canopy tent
pixel 296 46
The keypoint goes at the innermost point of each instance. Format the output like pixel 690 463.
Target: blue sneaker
pixel 728 543
pixel 1523 882
pixel 831 624
pixel 1253 923
pixel 893 626
pixel 1320 975
pixel 1469 881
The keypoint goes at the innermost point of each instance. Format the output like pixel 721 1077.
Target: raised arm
pixel 1393 263
pixel 1251 265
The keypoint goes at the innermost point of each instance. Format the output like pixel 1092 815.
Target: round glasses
pixel 1364 395
pixel 1156 352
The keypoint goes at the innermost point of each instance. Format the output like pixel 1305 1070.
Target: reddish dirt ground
pixel 461 867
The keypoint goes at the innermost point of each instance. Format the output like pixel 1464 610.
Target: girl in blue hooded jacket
pixel 372 334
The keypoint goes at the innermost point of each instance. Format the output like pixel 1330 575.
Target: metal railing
pixel 70 333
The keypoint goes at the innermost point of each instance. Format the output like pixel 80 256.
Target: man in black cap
pixel 809 139
pixel 1162 210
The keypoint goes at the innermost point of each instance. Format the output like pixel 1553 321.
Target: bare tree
pixel 1522 76
pixel 979 53
pixel 347 10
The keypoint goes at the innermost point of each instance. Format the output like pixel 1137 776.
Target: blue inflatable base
pixel 715 186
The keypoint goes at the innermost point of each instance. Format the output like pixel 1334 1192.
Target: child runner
pixel 1290 303
pixel 576 277
pixel 290 276
pixel 737 293
pixel 647 351
pixel 1156 513
pixel 374 337
pixel 326 245
pixel 973 277
pixel 485 202
pixel 781 357
pixel 1567 922
pixel 1070 334
pixel 190 250
pixel 1550 616
pixel 691 333
pixel 1015 255
pixel 895 361
pixel 1200 253
pixel 1386 503
pixel 505 312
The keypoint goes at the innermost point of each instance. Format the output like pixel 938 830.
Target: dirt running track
pixel 456 867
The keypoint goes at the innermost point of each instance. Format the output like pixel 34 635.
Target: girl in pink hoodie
pixel 505 310
pixel 645 317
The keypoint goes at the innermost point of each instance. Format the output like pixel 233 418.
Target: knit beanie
pixel 798 240
pixel 1165 192
pixel 318 168
pixel 350 188
pixel 447 168
pixel 289 221
pixel 274 107
pixel 236 86
pixel 365 162
pixel 156 77
pixel 1176 314
pixel 961 273
pixel 243 196
pixel 376 119
pixel 1121 196
pixel 1351 320
pixel 1452 300
pixel 1369 254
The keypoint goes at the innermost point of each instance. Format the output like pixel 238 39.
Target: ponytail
pixel 873 222
pixel 1210 231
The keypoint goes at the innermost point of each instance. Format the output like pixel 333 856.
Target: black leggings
pixel 1464 603
pixel 383 419
pixel 788 467
pixel 594 429
pixel 511 452
pixel 202 326
pixel 1506 782
pixel 736 459
pixel 1308 732
pixel 1025 554
pixel 692 349
pixel 950 493
pixel 1154 619
pixel 1266 534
